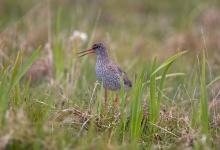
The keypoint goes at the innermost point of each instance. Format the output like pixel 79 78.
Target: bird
pixel 108 73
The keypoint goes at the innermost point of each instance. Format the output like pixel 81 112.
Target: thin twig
pixel 164 129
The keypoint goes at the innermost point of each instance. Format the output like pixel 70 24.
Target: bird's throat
pixel 102 59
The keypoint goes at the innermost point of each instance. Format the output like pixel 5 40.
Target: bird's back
pixel 110 74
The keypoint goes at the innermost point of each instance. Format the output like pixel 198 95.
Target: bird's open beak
pixel 83 53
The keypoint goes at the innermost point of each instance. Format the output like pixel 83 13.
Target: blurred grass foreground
pixel 49 99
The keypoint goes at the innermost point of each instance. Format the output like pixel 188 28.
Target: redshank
pixel 107 72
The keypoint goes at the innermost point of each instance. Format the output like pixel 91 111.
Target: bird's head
pixel 98 48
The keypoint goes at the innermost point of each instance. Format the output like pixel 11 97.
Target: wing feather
pixel 115 69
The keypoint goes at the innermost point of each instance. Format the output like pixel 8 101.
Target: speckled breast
pixel 106 77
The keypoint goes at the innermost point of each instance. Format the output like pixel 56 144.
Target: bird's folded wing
pixel 115 69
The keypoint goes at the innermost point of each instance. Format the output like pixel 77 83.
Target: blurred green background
pixel 135 31
pixel 139 27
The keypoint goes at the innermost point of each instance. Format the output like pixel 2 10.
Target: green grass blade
pixel 4 88
pixel 162 84
pixel 213 81
pixel 153 100
pixel 58 53
pixel 10 82
pixel 203 97
pixel 136 109
pixel 155 95
pixel 168 76
pixel 168 61
pixel 24 67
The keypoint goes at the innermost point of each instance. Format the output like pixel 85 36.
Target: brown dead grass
pixel 43 67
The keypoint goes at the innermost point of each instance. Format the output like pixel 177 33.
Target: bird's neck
pixel 102 59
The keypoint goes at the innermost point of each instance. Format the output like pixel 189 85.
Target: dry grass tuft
pixel 18 129
pixel 82 119
pixel 43 67
pixel 29 32
pixel 211 19
pixel 183 41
